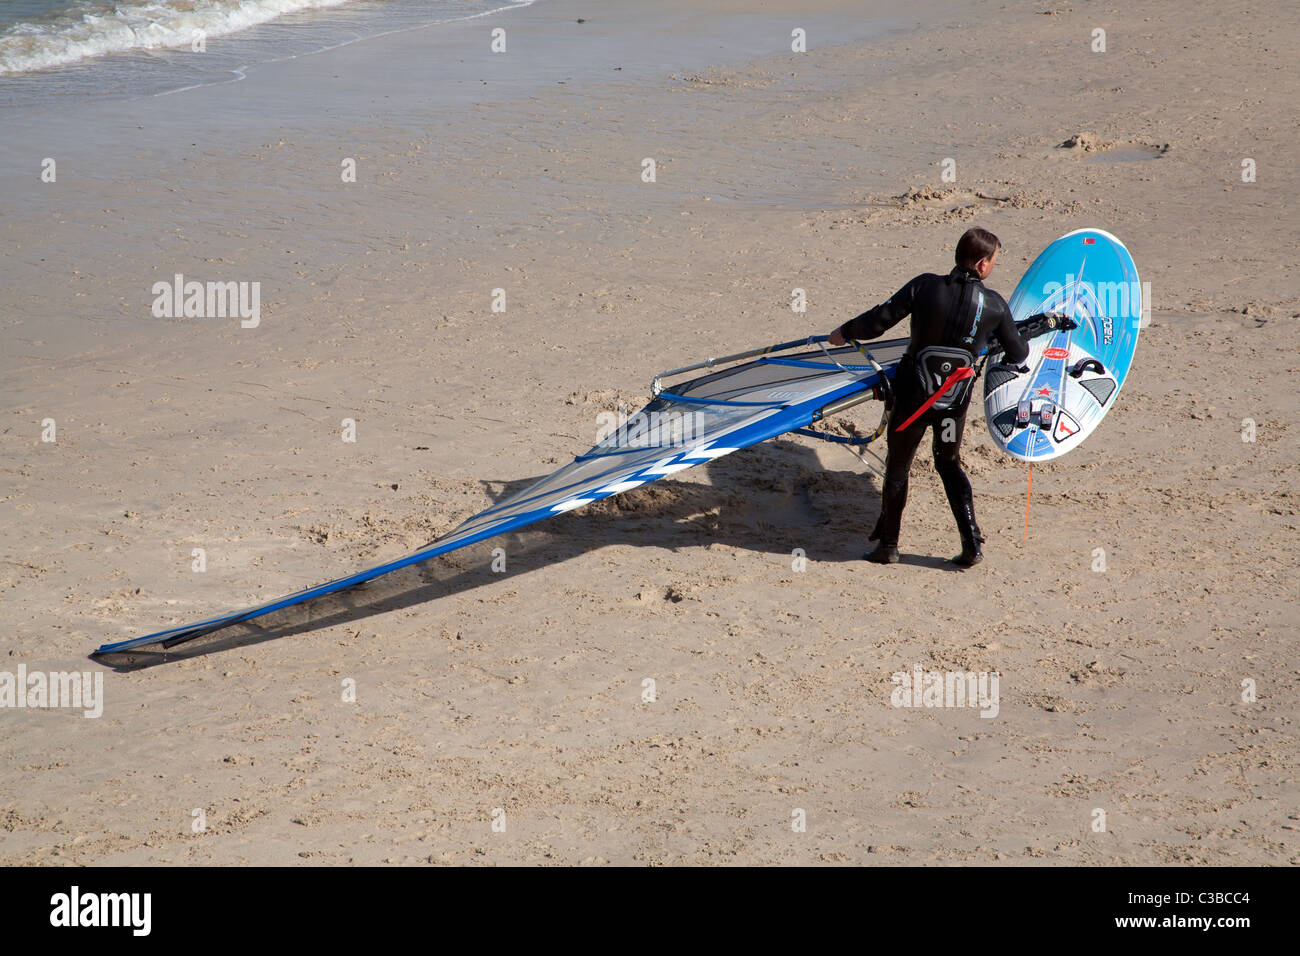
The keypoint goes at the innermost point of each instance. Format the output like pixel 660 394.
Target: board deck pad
pixel 1088 275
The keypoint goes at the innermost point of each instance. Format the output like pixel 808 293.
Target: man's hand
pixel 836 338
pixel 1041 324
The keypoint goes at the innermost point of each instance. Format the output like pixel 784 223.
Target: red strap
pixel 961 374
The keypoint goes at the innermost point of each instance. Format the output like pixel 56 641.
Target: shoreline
pixel 138 71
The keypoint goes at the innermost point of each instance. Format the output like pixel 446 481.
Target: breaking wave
pixel 93 28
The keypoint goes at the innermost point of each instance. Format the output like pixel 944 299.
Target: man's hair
pixel 974 245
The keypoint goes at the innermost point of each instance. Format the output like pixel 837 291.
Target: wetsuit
pixel 955 312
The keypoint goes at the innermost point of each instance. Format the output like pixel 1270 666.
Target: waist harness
pixel 947 372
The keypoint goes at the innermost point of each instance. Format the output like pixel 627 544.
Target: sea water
pixel 52 50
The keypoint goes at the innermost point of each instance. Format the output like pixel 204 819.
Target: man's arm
pixel 1026 329
pixel 1015 348
pixel 875 322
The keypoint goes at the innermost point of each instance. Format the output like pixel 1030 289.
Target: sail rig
pixel 758 395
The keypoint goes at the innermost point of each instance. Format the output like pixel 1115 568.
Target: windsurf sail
pixel 761 394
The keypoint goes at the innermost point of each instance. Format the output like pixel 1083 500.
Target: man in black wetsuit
pixel 953 319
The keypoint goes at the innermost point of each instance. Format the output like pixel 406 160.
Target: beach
pixel 380 193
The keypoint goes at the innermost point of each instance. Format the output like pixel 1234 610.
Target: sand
pixel 1120 690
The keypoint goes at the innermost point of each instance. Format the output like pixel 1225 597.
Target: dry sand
pixel 1120 690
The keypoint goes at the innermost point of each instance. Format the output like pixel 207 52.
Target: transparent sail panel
pixel 693 422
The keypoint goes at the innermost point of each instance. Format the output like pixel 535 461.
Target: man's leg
pixel 898 463
pixel 948 430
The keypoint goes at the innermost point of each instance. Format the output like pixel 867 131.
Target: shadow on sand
pixel 770 498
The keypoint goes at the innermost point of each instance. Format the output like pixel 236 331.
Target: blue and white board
pixel 1074 376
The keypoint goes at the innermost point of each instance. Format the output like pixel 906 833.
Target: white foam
pixel 104 28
